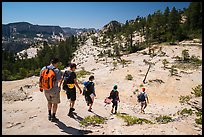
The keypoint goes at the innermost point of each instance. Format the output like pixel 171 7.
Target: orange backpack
pixel 47 79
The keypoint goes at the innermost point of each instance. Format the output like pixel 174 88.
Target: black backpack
pixel 66 77
pixel 141 97
pixel 85 89
pixel 114 94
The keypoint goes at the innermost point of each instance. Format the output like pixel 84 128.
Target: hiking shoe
pixel 71 115
pixel 89 110
pixel 72 109
pixel 49 117
pixel 54 119
pixel 114 112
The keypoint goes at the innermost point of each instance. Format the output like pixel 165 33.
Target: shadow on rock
pixel 71 130
pixel 76 117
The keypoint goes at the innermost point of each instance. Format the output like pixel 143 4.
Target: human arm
pixel 77 85
pixel 60 81
pixel 118 97
pixel 59 77
pixel 41 90
pixel 147 99
pixel 93 88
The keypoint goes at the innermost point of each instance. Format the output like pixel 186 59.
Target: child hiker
pixel 89 92
pixel 143 99
pixel 114 95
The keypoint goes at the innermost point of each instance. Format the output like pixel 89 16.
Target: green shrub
pixel 61 66
pixel 37 72
pixel 129 77
pixel 178 58
pixel 185 55
pixel 173 71
pixel 93 69
pixel 6 74
pixel 195 60
pixel 82 73
pixel 131 120
pixel 17 76
pixel 124 62
pixel 148 62
pixel 197 90
pixel 164 62
pixel 198 113
pixel 163 119
pixel 184 99
pixel 31 73
pixel 92 120
pixel 134 92
pixel 192 62
pixel 23 72
pixel 115 64
pixel 198 120
pixel 186 111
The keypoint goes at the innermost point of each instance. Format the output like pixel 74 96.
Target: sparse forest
pixel 168 26
pixel 14 68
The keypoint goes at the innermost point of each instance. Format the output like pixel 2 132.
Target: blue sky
pixel 80 14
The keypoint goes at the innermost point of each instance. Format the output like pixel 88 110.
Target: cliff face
pixel 25 28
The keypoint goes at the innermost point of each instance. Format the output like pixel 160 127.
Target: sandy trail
pixel 30 116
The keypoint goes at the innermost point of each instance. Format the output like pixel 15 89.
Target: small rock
pixel 111 118
pixel 21 126
pixel 21 89
pixel 198 129
pixel 32 116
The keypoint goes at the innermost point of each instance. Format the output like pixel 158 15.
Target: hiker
pixel 143 99
pixel 50 87
pixel 89 92
pixel 114 95
pixel 70 81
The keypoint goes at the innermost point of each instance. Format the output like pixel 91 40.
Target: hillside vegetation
pixel 116 39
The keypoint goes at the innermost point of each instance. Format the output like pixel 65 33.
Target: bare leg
pixel 145 105
pixel 72 104
pixel 55 108
pixel 116 106
pixel 112 110
pixel 49 106
pixel 90 107
pixel 142 107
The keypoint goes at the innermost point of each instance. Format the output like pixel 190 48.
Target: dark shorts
pixel 143 103
pixel 115 102
pixel 88 99
pixel 71 94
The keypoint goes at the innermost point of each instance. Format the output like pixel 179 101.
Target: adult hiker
pixel 114 95
pixel 143 99
pixel 70 81
pixel 89 92
pixel 50 77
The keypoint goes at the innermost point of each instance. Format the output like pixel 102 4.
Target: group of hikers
pixel 52 79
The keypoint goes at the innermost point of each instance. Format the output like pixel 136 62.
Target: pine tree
pixel 173 24
pixel 156 27
pixel 166 22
